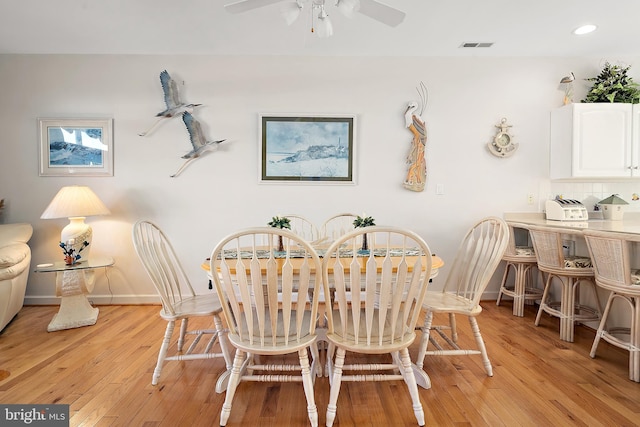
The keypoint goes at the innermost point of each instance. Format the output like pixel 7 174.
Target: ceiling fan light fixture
pixel 324 26
pixel 291 11
pixel 348 7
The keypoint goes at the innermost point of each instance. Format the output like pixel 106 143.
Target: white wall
pixel 220 192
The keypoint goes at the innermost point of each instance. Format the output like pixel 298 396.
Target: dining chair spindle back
pixel 478 256
pixel 179 302
pixel 383 320
pixel 303 227
pixel 337 225
pixel 271 305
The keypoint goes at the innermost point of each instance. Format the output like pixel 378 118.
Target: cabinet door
pixel 602 140
pixel 597 140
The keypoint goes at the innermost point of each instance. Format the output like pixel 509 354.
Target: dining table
pixel 346 258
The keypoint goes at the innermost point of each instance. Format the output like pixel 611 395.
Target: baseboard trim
pixel 98 300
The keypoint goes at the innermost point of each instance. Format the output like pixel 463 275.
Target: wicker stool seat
pixel 522 260
pixel 612 255
pixel 571 272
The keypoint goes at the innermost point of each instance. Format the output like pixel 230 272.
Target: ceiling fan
pixel 320 18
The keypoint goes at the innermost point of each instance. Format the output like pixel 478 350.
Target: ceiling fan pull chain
pixel 312 30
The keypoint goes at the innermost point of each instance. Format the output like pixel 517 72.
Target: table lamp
pixel 76 203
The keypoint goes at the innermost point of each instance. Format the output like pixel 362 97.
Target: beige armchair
pixel 15 259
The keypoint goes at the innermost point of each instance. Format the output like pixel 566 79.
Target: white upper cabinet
pixel 597 140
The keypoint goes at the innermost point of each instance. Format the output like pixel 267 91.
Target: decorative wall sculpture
pixel 417 173
pixel 175 107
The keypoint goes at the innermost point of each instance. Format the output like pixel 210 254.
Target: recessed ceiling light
pixel 585 29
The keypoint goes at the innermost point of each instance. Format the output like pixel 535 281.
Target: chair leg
pixel 594 289
pixel 543 300
pixel 307 382
pixel 534 276
pixel 316 366
pixel 335 386
pixel 321 348
pixel 454 329
pixel 225 347
pixel 331 349
pixel 634 375
pixel 481 346
pixel 602 325
pixel 183 332
pixel 570 293
pixel 410 380
pixel 504 282
pixel 162 354
pixel 236 372
pixel 424 340
pixel 519 289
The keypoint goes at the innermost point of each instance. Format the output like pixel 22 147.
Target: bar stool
pixel 571 272
pixel 522 259
pixel 612 264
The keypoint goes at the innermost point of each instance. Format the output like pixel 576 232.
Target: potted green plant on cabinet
pixel 613 84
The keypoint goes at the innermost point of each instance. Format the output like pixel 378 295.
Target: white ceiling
pixel 431 28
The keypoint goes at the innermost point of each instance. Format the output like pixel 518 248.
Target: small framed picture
pixel 76 147
pixel 307 148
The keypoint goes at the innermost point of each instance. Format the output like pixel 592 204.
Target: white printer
pixel 566 210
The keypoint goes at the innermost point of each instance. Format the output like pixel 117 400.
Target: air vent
pixel 474 44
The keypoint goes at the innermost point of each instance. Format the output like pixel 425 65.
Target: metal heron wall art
pixel 174 105
pixel 198 141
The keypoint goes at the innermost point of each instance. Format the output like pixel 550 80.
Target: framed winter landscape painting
pixel 76 147
pixel 307 148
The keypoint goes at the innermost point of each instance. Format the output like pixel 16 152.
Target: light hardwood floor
pixel 104 373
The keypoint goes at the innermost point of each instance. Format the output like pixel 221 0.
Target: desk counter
pixel 629 224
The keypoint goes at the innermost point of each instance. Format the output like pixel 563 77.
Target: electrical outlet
pixel 530 199
pixel 439 189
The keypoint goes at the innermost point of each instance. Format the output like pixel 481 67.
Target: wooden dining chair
pixel 271 308
pixel 477 258
pixel 303 227
pixel 615 268
pixel 383 321
pixel 179 302
pixel 519 258
pixel 571 272
pixel 337 225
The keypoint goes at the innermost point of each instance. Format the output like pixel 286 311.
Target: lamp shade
pixel 75 201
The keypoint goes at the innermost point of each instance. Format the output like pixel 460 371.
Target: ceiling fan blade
pixel 381 12
pixel 247 5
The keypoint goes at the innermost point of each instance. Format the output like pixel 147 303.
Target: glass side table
pixel 73 283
